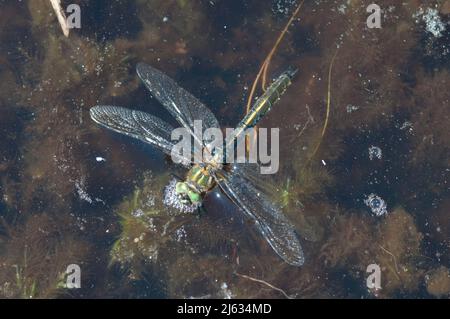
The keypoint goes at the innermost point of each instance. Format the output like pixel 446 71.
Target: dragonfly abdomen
pixel 265 102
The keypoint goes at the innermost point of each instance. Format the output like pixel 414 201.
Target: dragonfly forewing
pixel 180 103
pixel 139 125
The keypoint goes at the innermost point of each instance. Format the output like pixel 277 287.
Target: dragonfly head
pixel 186 194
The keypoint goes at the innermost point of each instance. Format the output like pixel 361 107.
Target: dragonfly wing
pixel 179 102
pixel 137 124
pixel 252 173
pixel 270 221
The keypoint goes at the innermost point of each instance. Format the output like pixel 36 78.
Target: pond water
pixel 363 182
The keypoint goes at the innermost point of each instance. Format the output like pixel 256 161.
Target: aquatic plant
pixel 144 223
pixel 438 282
pixel 389 244
pixel 35 255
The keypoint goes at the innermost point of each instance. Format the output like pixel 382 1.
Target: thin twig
pixel 265 64
pixel 305 126
pixel 264 283
pixel 327 116
pixel 394 258
pixel 56 4
pixel 277 43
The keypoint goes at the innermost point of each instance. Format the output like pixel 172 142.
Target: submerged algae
pixel 35 255
pixel 438 282
pixel 145 222
pixel 389 243
pixel 156 238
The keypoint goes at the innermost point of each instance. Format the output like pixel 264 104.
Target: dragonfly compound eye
pixel 176 194
pixel 181 188
pixel 182 192
pixel 194 197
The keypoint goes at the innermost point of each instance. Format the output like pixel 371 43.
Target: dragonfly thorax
pixel 198 182
pixel 200 178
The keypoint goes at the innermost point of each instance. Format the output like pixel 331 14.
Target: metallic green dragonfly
pixel 234 180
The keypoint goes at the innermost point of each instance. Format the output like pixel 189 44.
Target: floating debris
pixel 342 8
pixel 283 6
pixel 352 108
pixel 433 22
pixel 376 204
pixel 407 126
pixel 79 185
pixel 180 234
pixel 100 159
pixel 83 194
pixel 137 213
pixel 225 291
pixel 56 4
pixel 375 152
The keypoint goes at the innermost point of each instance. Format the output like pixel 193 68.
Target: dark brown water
pixel 74 193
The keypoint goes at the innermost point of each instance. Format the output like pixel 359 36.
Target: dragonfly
pixel 236 181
